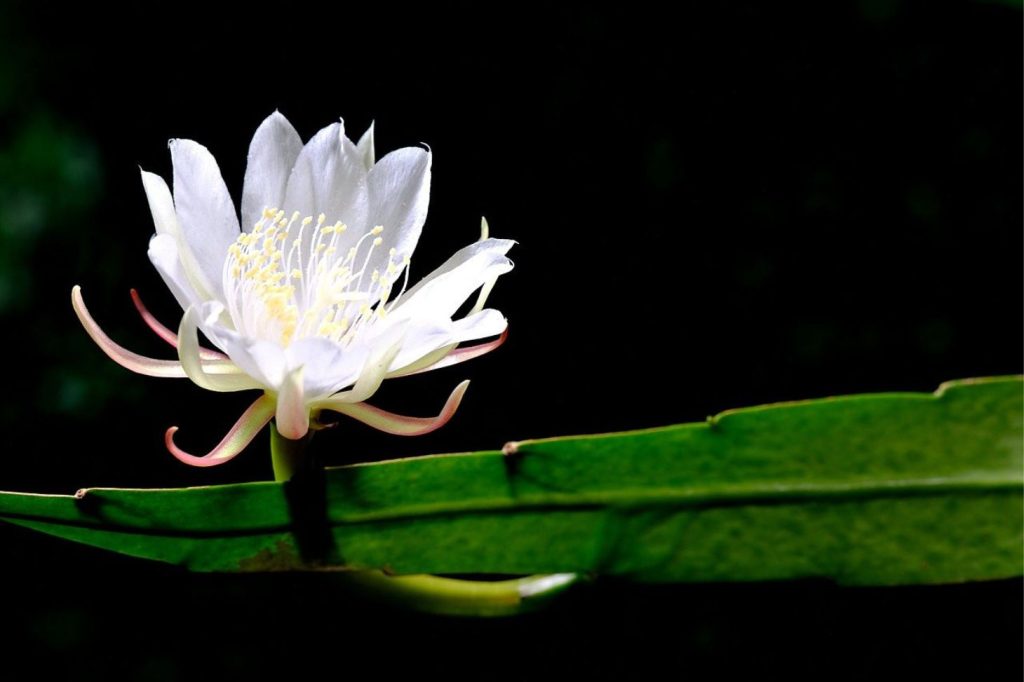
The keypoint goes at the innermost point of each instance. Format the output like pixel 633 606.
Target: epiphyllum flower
pixel 308 301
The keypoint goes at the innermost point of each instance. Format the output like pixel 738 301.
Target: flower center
pixel 296 277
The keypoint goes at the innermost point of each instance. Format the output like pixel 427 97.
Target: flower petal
pixel 264 361
pixel 424 364
pixel 418 338
pixel 272 153
pixel 165 220
pixel 366 149
pixel 485 290
pixel 292 410
pixel 188 353
pixel 328 366
pixel 206 214
pixel 166 334
pixel 370 379
pixel 441 292
pixel 480 325
pixel 236 439
pixel 477 326
pixel 398 191
pixel 451 357
pixel 165 255
pixel 397 424
pixel 122 356
pixel 177 264
pixel 329 178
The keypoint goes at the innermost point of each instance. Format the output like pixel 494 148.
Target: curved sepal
pixel 397 424
pixel 166 334
pixel 236 439
pixel 139 364
pixel 198 371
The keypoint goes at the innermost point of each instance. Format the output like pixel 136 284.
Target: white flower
pixel 308 301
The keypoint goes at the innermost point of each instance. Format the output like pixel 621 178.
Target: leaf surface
pixel 881 489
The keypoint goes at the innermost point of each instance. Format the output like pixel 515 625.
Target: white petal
pixel 163 252
pixel 166 222
pixel 421 356
pixel 264 361
pixel 398 189
pixel 461 257
pixel 292 409
pixel 442 292
pixel 160 204
pixel 366 149
pixel 207 217
pixel 192 363
pixel 272 154
pixel 422 339
pixel 372 375
pixel 487 322
pixel 328 366
pixel 449 355
pixel 329 178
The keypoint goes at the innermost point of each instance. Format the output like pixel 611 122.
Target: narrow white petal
pixel 460 258
pixel 370 378
pixel 264 361
pixel 163 253
pixel 416 338
pixel 192 363
pixel 206 214
pixel 365 147
pixel 485 290
pixel 442 292
pixel 446 357
pixel 423 364
pixel 486 323
pixel 329 178
pixel 477 326
pixel 160 204
pixel 328 366
pixel 292 410
pixel 165 220
pixel 427 343
pixel 272 155
pixel 398 189
pixel 422 339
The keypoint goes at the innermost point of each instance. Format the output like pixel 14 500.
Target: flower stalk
pixel 288 456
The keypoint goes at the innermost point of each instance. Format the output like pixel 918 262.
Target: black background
pixel 732 204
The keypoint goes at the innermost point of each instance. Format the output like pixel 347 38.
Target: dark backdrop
pixel 738 204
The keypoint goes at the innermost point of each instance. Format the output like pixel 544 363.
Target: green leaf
pixel 883 489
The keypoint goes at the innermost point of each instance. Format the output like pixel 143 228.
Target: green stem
pixel 430 593
pixel 288 456
pixel 451 596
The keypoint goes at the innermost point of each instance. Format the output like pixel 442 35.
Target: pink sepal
pixel 122 356
pixel 165 333
pixel 461 355
pixel 241 434
pixel 397 424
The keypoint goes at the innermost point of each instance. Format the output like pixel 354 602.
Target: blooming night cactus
pixel 308 301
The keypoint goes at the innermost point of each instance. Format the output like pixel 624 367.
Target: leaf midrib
pixel 625 500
